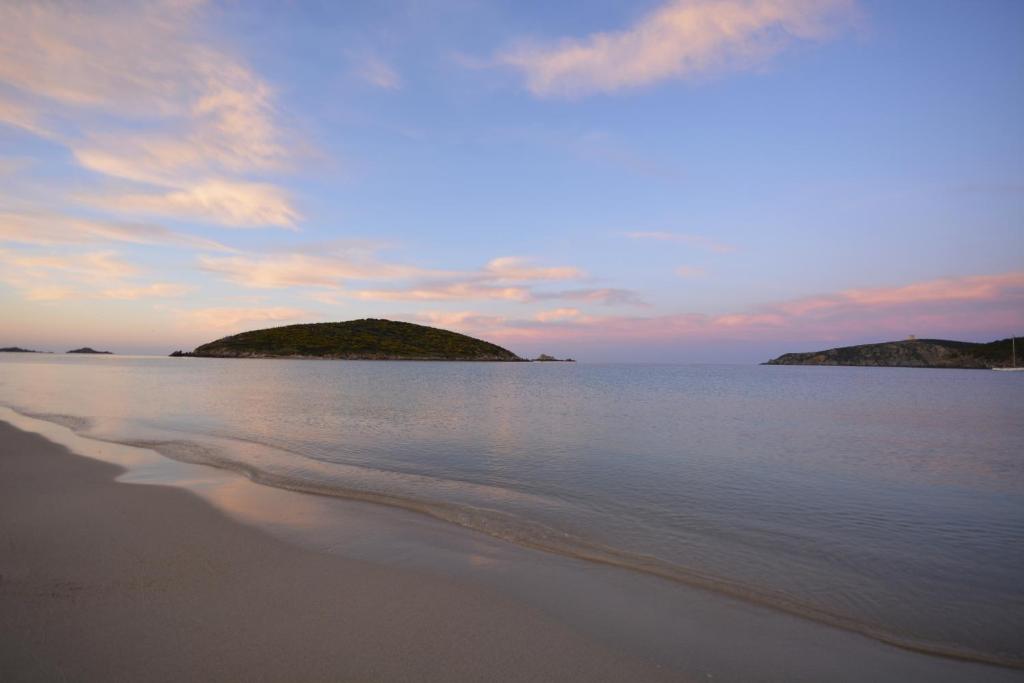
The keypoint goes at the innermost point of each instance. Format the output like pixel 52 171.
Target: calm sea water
pixel 885 501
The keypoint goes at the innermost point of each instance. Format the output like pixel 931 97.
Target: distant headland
pixel 909 353
pixel 18 349
pixel 366 339
pixel 86 349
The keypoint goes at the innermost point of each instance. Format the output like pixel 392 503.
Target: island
pixel 86 349
pixel 909 353
pixel 18 349
pixel 365 339
pixel 545 358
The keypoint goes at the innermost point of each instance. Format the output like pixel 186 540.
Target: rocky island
pixel 86 349
pixel 366 339
pixel 910 353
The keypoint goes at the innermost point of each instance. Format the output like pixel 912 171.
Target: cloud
pixel 50 228
pixel 557 314
pixel 447 291
pixel 157 290
pixel 94 266
pixel 690 272
pixel 515 269
pixel 138 96
pixel 92 275
pixel 954 307
pixel 459 320
pixel 682 39
pixel 378 73
pixel 606 296
pixel 232 204
pixel 295 269
pixel 698 241
pixel 229 319
pixel 476 288
pixel 21 116
pixel 974 288
pixel 508 278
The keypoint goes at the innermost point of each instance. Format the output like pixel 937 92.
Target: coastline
pixel 99 577
pixel 640 626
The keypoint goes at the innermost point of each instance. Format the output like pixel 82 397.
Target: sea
pixel 886 502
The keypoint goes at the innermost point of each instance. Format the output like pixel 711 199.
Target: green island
pixel 909 353
pixel 366 339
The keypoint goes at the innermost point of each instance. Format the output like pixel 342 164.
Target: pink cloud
pixel 232 319
pixel 558 314
pixel 952 307
pixel 976 288
pixel 689 272
pixel 681 39
pixel 512 268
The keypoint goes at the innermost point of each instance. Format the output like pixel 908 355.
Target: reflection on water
pixel 886 500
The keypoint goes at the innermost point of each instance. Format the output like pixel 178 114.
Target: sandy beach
pixel 102 580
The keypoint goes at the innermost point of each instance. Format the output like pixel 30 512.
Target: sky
pixel 649 181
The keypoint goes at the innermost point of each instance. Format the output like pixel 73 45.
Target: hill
pixel 915 353
pixel 86 349
pixel 367 339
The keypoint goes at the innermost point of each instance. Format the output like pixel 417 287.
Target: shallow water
pixel 886 501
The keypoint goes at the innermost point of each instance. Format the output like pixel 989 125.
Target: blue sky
pixel 688 180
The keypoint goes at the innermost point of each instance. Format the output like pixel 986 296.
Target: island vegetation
pixel 366 339
pixel 909 353
pixel 86 349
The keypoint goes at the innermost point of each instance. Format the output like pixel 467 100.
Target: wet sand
pixel 101 580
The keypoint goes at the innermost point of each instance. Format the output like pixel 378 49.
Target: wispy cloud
pixel 229 203
pixel 378 73
pixel 51 228
pixel 91 275
pixel 948 306
pixel 608 296
pixel 690 272
pixel 344 271
pixel 513 281
pixel 516 269
pixel 697 241
pixel 682 39
pixel 21 116
pixel 447 291
pixel 227 319
pixel 297 269
pixel 558 314
pixel 973 288
pixel 156 290
pixel 459 320
pixel 137 96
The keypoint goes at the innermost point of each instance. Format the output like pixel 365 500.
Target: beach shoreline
pixel 245 578
pixel 107 581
